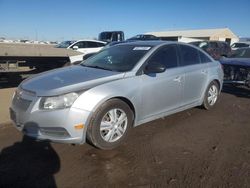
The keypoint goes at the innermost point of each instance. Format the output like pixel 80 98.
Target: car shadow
pixel 239 91
pixel 28 164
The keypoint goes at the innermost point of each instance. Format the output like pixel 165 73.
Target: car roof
pixel 149 43
pixel 90 40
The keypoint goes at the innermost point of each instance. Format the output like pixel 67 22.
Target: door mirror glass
pixel 154 67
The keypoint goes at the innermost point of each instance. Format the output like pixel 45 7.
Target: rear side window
pixel 204 58
pixel 166 56
pixel 189 55
pixel 92 44
pixel 100 44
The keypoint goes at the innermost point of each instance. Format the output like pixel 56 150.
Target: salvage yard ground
pixel 194 148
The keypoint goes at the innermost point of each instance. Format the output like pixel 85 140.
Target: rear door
pixel 196 74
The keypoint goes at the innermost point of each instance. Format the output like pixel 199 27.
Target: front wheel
pixel 211 95
pixel 110 124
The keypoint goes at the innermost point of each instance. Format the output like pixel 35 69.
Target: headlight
pixel 58 102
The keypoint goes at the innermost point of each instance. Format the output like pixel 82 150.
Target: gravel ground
pixel 194 148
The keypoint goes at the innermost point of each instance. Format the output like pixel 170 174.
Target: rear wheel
pixel 110 124
pixel 211 95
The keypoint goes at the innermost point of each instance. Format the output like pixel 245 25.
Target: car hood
pixel 68 79
pixel 236 61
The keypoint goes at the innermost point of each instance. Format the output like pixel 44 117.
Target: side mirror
pixel 154 67
pixel 75 47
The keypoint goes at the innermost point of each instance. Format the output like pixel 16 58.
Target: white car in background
pixel 83 46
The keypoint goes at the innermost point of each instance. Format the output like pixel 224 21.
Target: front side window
pixel 190 55
pixel 166 56
pixel 80 45
pixel 204 58
pixel 117 58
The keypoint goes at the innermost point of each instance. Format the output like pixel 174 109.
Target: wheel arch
pixel 218 82
pixel 128 102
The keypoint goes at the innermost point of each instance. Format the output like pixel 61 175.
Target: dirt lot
pixel 194 148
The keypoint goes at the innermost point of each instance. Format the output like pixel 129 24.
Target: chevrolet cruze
pixel 121 87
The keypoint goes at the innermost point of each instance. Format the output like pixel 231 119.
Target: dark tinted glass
pixel 213 45
pixel 92 44
pixel 189 55
pixel 204 58
pixel 166 56
pixel 80 45
pixel 100 44
pixel 240 45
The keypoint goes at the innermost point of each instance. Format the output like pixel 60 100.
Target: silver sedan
pixel 119 88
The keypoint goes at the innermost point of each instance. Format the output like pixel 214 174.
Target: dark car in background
pixel 216 49
pixel 143 37
pixel 237 67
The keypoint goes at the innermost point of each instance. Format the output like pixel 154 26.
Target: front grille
pixel 20 103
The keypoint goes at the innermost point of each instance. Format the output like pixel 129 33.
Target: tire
pixel 105 130
pixel 211 95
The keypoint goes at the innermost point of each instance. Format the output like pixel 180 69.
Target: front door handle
pixel 177 79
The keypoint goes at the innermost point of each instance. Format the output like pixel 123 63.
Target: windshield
pixel 65 44
pixel 117 58
pixel 241 53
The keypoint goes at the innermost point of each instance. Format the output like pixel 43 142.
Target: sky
pixel 59 20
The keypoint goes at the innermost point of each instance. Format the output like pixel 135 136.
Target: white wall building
pixel 221 34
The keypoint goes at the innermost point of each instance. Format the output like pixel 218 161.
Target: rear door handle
pixel 177 79
pixel 204 71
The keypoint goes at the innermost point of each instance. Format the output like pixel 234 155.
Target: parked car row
pixel 90 47
pixel 219 50
pixel 216 49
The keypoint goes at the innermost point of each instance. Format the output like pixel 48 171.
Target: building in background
pixel 221 34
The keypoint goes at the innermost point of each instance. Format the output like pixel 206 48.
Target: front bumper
pixel 52 125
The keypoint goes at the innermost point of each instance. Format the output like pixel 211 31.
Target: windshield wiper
pixel 97 67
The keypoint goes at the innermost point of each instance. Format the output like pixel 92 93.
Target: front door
pixel 161 92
